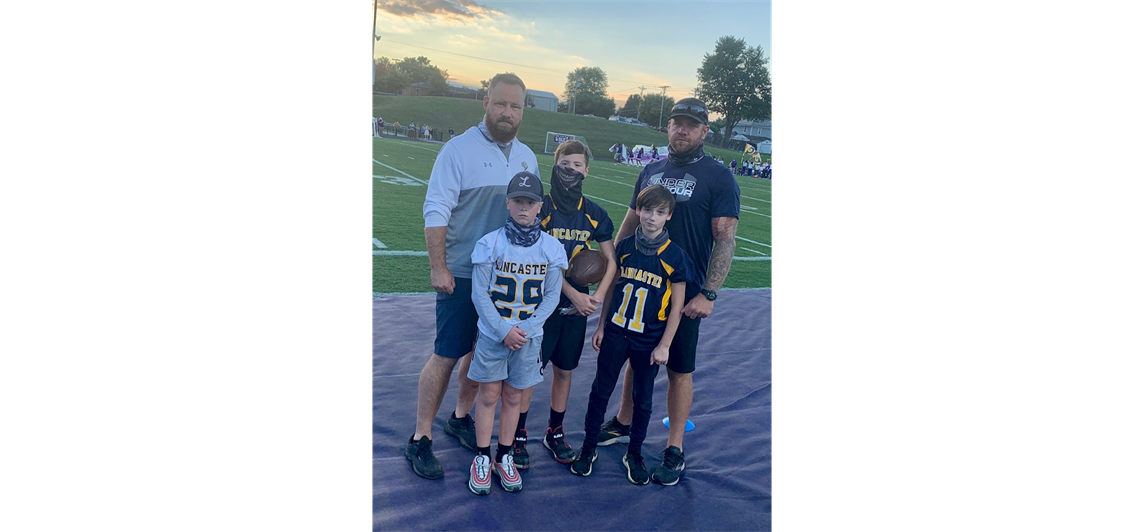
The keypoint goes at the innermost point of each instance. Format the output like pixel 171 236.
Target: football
pixel 587 267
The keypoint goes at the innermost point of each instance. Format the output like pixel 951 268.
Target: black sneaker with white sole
pixel 637 472
pixel 582 465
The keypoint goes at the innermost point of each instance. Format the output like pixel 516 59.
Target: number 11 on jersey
pixel 635 324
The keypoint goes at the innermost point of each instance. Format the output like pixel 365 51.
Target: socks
pixel 502 450
pixel 520 422
pixel 555 419
pixel 487 451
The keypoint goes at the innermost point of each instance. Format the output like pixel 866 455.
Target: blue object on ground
pixel 690 426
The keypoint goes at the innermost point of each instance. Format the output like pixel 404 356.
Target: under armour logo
pixel 524 182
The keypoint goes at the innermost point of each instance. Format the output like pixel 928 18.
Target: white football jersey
pixel 517 283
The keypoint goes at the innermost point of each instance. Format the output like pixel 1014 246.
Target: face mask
pixel 565 188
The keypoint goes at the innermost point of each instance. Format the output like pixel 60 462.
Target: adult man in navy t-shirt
pixel 704 223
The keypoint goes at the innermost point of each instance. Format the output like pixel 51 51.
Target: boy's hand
pixel 659 355
pixel 515 339
pixel 597 337
pixel 585 304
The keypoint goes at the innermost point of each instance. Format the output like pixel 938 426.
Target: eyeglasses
pixel 690 107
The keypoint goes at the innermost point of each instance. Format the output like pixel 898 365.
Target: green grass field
pixel 401 169
pixel 444 113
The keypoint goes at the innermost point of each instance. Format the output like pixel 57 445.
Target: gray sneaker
pixel 464 429
pixel 614 432
pixel 420 456
pixel 672 467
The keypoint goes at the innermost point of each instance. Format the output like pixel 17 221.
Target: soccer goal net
pixel 553 140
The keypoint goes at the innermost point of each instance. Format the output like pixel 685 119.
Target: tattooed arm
pixel 724 231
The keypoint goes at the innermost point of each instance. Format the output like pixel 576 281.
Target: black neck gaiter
pixel 680 159
pixel 565 188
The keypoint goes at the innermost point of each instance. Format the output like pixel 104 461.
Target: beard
pixel 684 145
pixel 502 131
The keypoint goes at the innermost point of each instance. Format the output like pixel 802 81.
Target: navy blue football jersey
pixel 641 298
pixel 576 230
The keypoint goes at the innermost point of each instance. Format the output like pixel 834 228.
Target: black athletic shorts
pixel 681 357
pixel 563 341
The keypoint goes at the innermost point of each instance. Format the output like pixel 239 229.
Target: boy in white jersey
pixel 517 276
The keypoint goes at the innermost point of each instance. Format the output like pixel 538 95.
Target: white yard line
pixel 751 241
pixel 378 243
pixel 402 253
pixel 750 258
pixel 400 172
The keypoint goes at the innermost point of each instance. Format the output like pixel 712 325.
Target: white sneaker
pixel 509 477
pixel 479 480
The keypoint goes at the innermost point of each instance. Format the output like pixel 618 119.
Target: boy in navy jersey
pixel 637 324
pixel 575 221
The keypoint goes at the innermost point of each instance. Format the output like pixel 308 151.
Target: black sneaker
pixel 554 441
pixel 668 472
pixel 519 451
pixel 614 432
pixel 582 465
pixel 637 473
pixel 464 429
pixel 420 455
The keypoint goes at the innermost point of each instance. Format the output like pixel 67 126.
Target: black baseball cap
pixel 526 184
pixel 690 107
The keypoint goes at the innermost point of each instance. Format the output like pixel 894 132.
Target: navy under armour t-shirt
pixel 703 190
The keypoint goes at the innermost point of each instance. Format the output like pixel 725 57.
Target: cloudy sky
pixel 637 43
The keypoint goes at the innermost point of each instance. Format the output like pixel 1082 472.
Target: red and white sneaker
pixel 509 477
pixel 479 480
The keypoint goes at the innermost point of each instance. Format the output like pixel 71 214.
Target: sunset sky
pixel 637 43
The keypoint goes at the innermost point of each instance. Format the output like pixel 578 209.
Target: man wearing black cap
pixel 706 216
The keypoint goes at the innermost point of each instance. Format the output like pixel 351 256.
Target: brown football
pixel 587 267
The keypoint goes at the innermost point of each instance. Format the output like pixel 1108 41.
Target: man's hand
pixel 442 280
pixel 515 339
pixel 698 307
pixel 597 337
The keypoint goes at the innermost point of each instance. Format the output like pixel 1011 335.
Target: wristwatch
pixel 709 294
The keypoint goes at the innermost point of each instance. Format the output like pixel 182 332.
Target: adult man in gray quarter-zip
pixel 465 201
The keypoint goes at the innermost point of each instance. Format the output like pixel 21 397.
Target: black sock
pixel 487 451
pixel 555 419
pixel 502 450
pixel 520 422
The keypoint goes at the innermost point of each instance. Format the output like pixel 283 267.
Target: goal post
pixel 552 140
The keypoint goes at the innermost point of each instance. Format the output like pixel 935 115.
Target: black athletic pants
pixel 614 354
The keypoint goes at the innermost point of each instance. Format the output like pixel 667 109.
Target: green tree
pixel 389 78
pixel 735 82
pixel 420 69
pixel 653 107
pixel 589 85
pixel 630 106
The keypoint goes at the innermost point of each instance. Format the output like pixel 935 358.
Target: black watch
pixel 709 294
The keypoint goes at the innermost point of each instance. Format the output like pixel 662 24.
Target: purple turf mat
pixel 726 486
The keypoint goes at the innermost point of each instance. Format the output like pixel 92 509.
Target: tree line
pixel 733 80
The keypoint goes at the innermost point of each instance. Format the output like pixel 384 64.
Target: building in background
pixel 543 100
